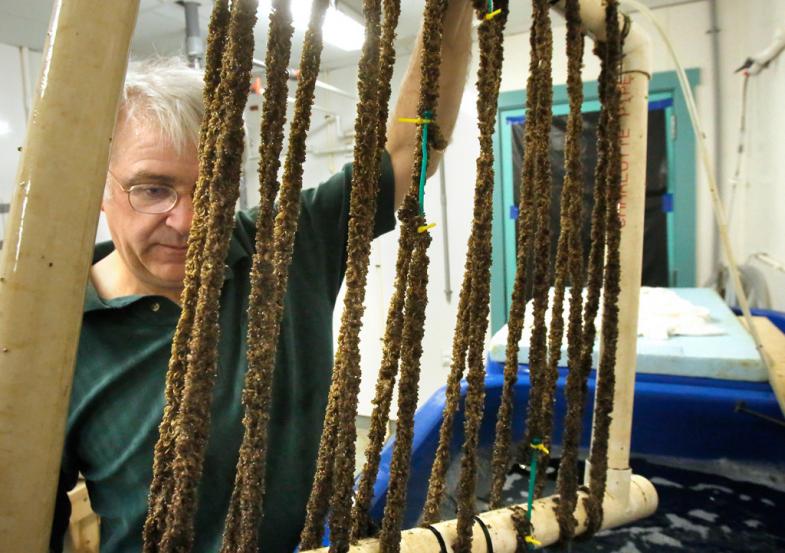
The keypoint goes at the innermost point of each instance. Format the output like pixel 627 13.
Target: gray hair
pixel 166 92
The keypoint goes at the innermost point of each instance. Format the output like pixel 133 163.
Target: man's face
pixel 152 247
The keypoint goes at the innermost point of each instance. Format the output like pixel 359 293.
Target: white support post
pixel 634 112
pixel 48 252
pixel 634 84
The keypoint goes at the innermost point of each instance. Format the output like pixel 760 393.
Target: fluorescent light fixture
pixel 338 30
pixel 5 127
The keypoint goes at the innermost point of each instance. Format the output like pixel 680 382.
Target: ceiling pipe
pixel 719 146
pixel 194 47
pixel 294 75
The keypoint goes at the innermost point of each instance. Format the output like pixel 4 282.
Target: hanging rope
pixel 190 416
pixel 162 482
pixel 393 328
pixel 245 507
pixel 213 236
pixel 525 235
pixel 335 464
pixel 491 38
pixel 538 174
pixel 410 292
pixel 575 390
pixel 365 179
pixel 606 378
pixel 541 120
pixel 385 385
pixel 569 251
pixel 413 329
pixel 267 302
pixel 469 327
pixel 185 426
pixel 460 344
pixel 414 235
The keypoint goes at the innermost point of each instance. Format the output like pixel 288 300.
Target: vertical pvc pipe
pixel 635 76
pixel 47 255
pixel 633 133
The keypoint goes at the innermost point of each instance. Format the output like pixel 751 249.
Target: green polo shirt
pixel 118 392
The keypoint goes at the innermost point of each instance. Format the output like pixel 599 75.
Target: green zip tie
pixel 537 446
pixel 491 13
pixel 426 120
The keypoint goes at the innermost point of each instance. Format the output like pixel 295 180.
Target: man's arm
pixel 401 137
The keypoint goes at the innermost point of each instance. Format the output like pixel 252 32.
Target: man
pixel 132 308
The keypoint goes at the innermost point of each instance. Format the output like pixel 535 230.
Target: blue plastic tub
pixel 776 317
pixel 682 417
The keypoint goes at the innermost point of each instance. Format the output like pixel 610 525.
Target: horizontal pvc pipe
pixel 641 502
pixel 48 251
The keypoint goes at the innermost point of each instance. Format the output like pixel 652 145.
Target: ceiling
pixel 161 26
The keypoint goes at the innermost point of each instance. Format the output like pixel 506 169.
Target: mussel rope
pixel 569 250
pixel 525 238
pixel 575 388
pixel 541 120
pixel 245 507
pixel 606 377
pixel 333 482
pixel 392 338
pixel 488 83
pixel 412 220
pixel 162 483
pixel 192 420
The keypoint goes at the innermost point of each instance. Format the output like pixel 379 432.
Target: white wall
pixel 12 124
pixel 744 28
pixel 757 223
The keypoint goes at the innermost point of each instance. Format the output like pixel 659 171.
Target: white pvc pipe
pixel 634 83
pixel 48 252
pixel 641 502
pixel 770 261
pixel 635 87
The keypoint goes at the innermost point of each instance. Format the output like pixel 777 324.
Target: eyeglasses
pixel 152 199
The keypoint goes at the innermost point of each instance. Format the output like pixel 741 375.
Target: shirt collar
pixel 94 303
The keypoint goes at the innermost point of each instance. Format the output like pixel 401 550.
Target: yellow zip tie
pixel 489 16
pixel 416 120
pixel 532 540
pixel 425 228
pixel 540 447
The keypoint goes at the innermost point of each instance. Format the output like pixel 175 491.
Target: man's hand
pixel 401 137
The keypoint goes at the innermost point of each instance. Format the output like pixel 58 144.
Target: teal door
pixel 671 151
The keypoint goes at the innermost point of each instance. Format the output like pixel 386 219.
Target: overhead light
pixel 5 127
pixel 338 29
